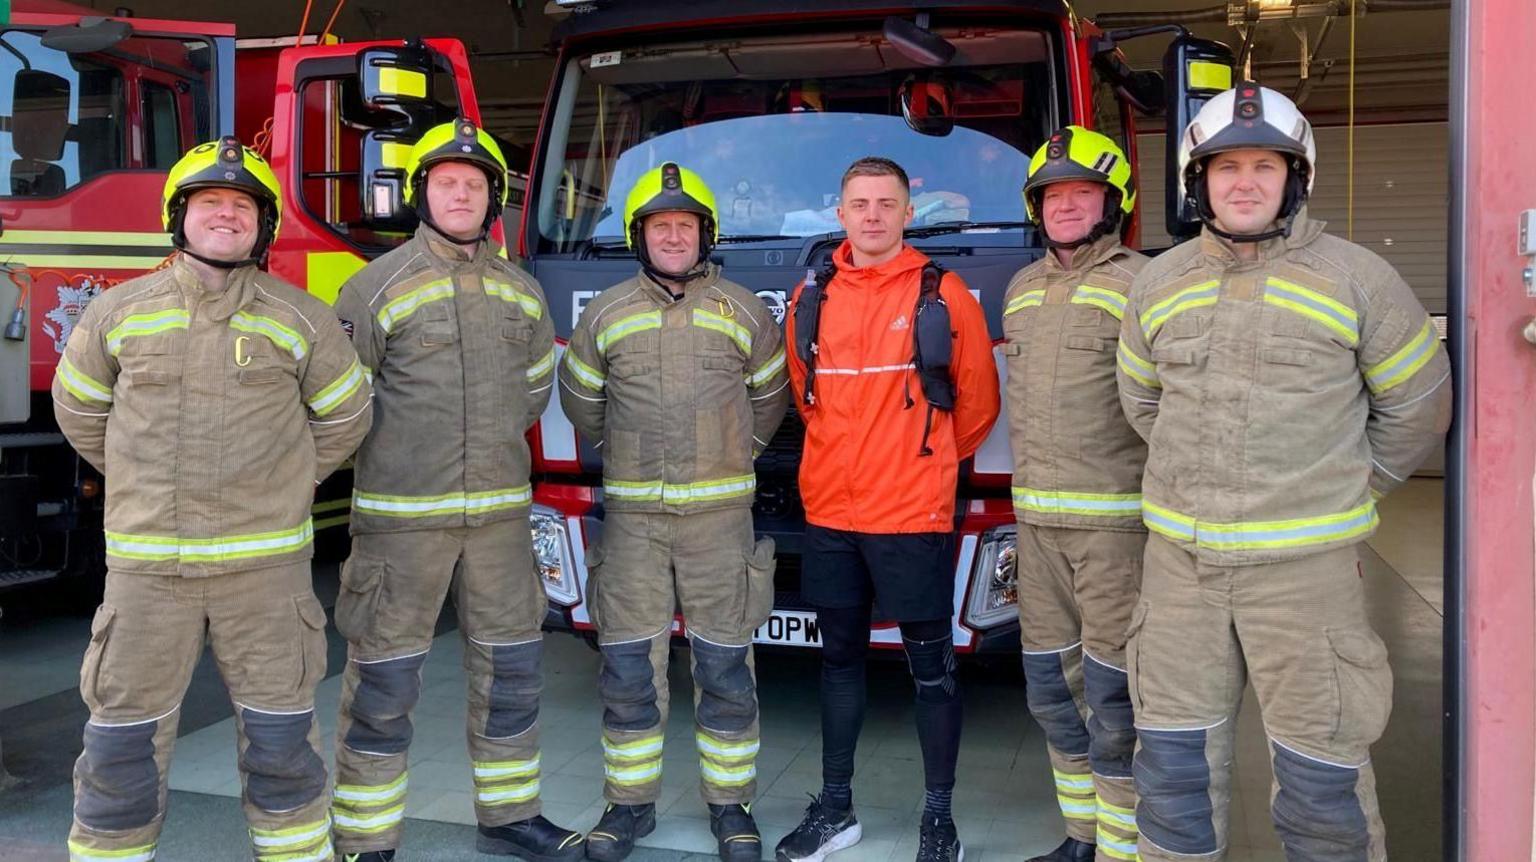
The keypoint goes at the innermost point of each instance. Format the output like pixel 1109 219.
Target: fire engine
pixel 769 103
pixel 96 110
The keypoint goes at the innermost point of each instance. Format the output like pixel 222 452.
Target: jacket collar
pixel 692 289
pixel 448 255
pixel 238 293
pixel 906 260
pixel 1085 257
pixel 1304 230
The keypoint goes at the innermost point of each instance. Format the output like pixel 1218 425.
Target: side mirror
pixel 927 104
pixel 397 80
pixel 382 169
pixel 1194 70
pixel 88 37
pixel 40 122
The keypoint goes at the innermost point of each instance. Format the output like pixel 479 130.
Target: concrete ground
pixel 1004 803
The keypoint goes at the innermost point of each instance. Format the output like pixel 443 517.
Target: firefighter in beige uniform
pixel 679 375
pixel 213 398
pixel 1076 485
pixel 461 349
pixel 1284 380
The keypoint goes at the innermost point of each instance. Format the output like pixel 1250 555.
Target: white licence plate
pixel 789 628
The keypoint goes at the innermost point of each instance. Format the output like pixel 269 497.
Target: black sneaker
pixel 614 836
pixel 939 842
pixel 737 833
pixel 370 856
pixel 823 831
pixel 1071 850
pixel 534 840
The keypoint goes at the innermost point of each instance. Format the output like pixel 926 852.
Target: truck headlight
pixel 995 579
pixel 552 551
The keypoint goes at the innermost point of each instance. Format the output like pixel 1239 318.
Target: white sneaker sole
pixel 841 841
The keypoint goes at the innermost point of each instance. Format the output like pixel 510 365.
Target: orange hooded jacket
pixel 861 469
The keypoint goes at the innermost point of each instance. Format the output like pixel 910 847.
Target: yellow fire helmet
pixel 671 188
pixel 227 164
pixel 1076 153
pixel 459 141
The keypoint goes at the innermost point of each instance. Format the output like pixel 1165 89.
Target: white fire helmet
pixel 1249 117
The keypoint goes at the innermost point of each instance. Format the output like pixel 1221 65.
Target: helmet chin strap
pixel 258 251
pixel 1108 223
pixel 699 270
pixel 1295 198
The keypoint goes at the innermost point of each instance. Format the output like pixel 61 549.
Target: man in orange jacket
pixel 887 423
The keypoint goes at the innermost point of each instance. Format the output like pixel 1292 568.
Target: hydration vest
pixel 932 340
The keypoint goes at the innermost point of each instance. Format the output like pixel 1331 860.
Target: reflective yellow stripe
pixel 1076 503
pixel 542 367
pixel 338 391
pixel 1136 368
pixel 1073 781
pixel 81 853
pixel 1109 300
pixel 1115 846
pixel 501 769
pixel 151 239
pixel 643 748
pixel 1249 535
pixel 585 374
pixel 1074 808
pixel 679 494
pixel 626 326
pixel 148 323
pixel 476 503
pixel 1337 317
pixel 296 837
pixel 404 305
pixel 773 366
pixel 322 853
pixel 1195 296
pixel 216 550
pixel 1027 299
pixel 81 385
pixel 635 776
pixel 85 261
pixel 509 293
pixel 727 776
pixel 508 793
pixel 725 751
pixel 729 328
pixel 370 794
pixel 1405 363
pixel 275 332
pixel 357 824
pixel 1114 815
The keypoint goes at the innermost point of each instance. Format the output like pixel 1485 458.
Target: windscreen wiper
pixel 753 237
pixel 963 226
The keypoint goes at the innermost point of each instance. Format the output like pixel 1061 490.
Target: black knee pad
pixel 932 663
pixel 1052 704
pixel 517 680
pixel 727 695
pixel 1173 782
pixel 117 780
pixel 627 687
pixel 386 693
pixel 1316 810
pixel 1111 727
pixel 282 771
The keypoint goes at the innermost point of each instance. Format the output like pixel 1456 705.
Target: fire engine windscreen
pixel 771 123
pixel 71 116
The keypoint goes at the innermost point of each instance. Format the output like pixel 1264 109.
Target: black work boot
pixel 614 836
pixel 1071 850
pixel 369 856
pixel 534 840
pixel 737 833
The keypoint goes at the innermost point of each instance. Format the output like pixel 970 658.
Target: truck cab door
pixel 344 120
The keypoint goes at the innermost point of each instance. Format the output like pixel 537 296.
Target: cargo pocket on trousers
pixel 1363 682
pixel 594 583
pixel 95 653
pixel 1133 652
pixel 760 568
pixel 312 643
pixel 357 605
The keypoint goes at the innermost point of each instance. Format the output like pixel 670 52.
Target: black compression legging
pixel 931 658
